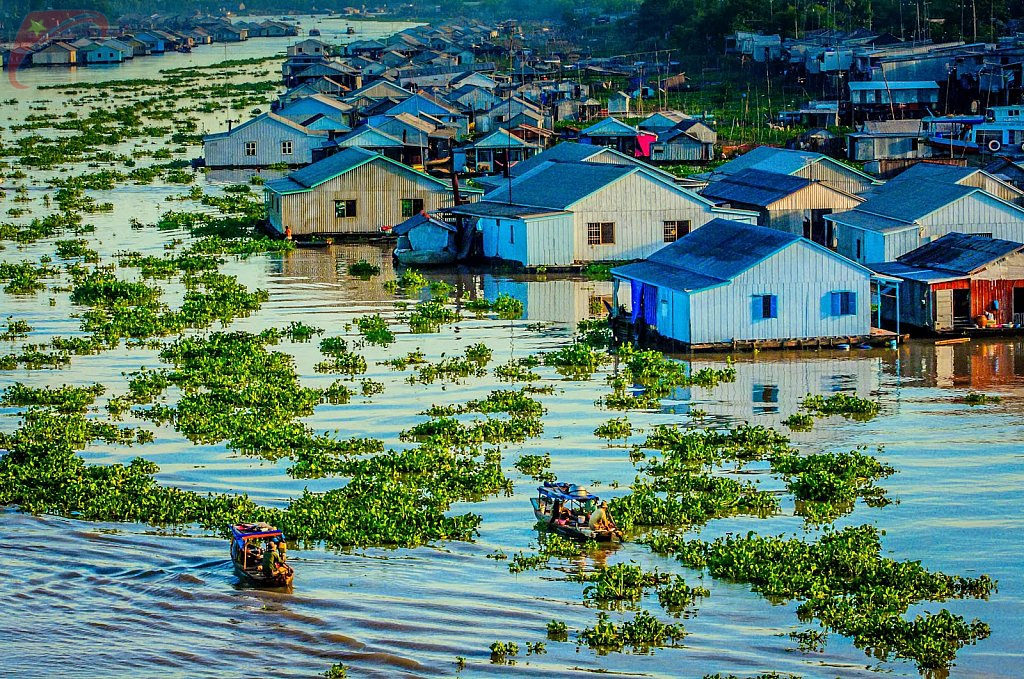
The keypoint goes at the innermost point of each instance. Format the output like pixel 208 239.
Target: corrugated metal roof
pixel 370 137
pixel 559 185
pixel 419 220
pixel 711 255
pixel 959 253
pixel 933 172
pixel 341 162
pixel 770 159
pixel 486 208
pixel 610 127
pixel 754 187
pixel 913 199
pixel 912 273
pixel 566 152
pixel 500 139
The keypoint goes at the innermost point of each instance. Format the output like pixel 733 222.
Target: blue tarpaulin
pixel 644 300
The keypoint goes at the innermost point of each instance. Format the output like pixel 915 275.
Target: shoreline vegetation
pixel 242 389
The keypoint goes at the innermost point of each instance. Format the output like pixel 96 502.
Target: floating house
pixel 806 164
pixel 561 214
pixel 267 139
pixel 785 202
pixel 615 134
pixel 619 104
pixel 958 281
pixel 354 191
pixel 498 151
pixel 892 222
pixel 56 54
pixel 689 140
pixel 959 176
pixel 880 140
pixel 662 121
pixel 733 282
pixel 884 96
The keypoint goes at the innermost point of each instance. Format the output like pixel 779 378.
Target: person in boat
pixel 272 564
pixel 282 551
pixel 601 519
pixel 559 514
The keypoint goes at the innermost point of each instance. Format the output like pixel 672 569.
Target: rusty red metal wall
pixel 984 293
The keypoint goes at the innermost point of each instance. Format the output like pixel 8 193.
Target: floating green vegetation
pixel 642 632
pixel 416 357
pixel 844 582
pixel 430 315
pixel 974 398
pixel 453 368
pixel 64 399
pixel 410 282
pixel 621 582
pixel 499 401
pixel 847 405
pixel 41 227
pixel 101 288
pixel 557 630
pixel 675 595
pixel 576 361
pixel 168 266
pixel 297 331
pixel 375 329
pixel 450 433
pixel 810 640
pixel 363 269
pixel 502 651
pixel 78 247
pixel 23 278
pixel 506 306
pixel 336 671
pixel 600 271
pixel 535 466
pixel 615 429
pixel 826 485
pixel 799 422
pixel 342 360
pixel 595 332
pixel 16 329
pixel 518 370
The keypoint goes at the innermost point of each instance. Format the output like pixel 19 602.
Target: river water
pixel 88 599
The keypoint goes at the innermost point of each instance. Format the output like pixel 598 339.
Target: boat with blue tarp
pixel 249 545
pixel 574 512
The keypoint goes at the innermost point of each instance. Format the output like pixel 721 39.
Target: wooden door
pixel 942 303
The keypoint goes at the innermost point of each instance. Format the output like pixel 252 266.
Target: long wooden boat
pixel 408 256
pixel 580 503
pixel 246 541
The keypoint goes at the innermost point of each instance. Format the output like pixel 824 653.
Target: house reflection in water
pixel 979 365
pixel 772 385
pixel 557 300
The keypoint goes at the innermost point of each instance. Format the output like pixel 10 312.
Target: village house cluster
pixel 421 136
pixel 137 36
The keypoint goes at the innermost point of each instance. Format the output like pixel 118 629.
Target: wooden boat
pixel 247 540
pixel 312 243
pixel 350 31
pixel 580 503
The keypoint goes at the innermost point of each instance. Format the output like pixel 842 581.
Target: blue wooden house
pixel 729 281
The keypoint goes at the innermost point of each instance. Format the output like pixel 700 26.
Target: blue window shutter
pixel 756 307
pixel 774 306
pixel 852 307
pixel 837 303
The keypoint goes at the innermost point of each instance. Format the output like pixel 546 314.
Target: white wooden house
pixel 560 214
pixel 689 140
pixel 56 54
pixel 785 202
pixel 355 191
pixel 267 139
pixel 730 281
pixel 901 218
pixel 619 104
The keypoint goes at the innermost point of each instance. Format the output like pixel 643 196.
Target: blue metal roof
pixel 332 166
pixel 754 187
pixel 711 255
pixel 610 127
pixel 566 152
pixel 912 199
pixel 959 253
pixel 500 139
pixel 783 161
pixel 419 220
pixel 935 172
pixel 559 185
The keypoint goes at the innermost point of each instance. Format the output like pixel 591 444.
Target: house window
pixel 766 306
pixel 600 233
pixel 411 206
pixel 858 248
pixel 844 303
pixel 287 147
pixel 344 208
pixel 674 230
pixel 250 148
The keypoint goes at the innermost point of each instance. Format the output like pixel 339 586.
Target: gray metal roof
pixel 419 220
pixel 754 187
pixel 711 255
pixel 959 253
pixel 487 208
pixel 934 172
pixel 901 206
pixel 911 273
pixel 332 166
